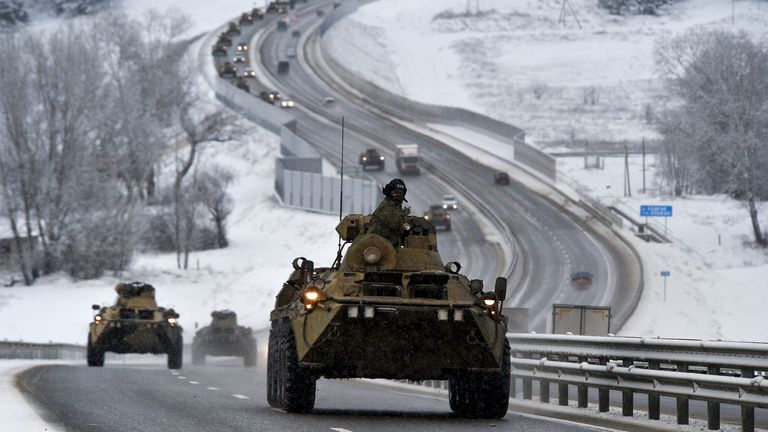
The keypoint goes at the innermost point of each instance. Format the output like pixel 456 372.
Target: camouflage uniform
pixel 387 220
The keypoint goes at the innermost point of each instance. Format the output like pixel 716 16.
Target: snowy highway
pixel 551 244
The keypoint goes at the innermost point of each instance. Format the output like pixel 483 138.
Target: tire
pixel 198 356
pixel 175 353
pixel 295 385
pixel 481 395
pixel 94 356
pixel 273 397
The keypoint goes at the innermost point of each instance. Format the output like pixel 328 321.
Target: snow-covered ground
pixel 590 77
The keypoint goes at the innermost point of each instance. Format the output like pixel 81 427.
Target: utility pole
pixel 643 165
pixel 564 14
pixel 627 185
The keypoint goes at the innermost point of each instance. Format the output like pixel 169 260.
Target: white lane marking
pixel 420 395
pixel 181 377
pixel 212 388
pixel 239 396
pixel 174 373
pixel 340 430
pixel 194 382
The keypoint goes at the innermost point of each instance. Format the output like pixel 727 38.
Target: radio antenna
pixel 337 261
pixel 341 189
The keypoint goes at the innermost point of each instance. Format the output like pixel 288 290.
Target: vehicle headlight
pixel 381 157
pixel 490 302
pixel 365 158
pixel 97 318
pixel 172 321
pixel 445 206
pixel 313 295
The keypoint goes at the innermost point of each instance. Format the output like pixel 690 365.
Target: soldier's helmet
pixel 396 189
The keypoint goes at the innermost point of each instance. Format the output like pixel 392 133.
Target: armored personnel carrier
pixel 389 312
pixel 135 324
pixel 224 338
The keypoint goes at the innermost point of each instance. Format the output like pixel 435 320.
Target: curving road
pixel 550 244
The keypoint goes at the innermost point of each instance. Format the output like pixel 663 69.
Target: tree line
pixel 95 119
pixel 715 131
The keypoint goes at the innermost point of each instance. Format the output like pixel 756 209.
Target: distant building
pixel 9 254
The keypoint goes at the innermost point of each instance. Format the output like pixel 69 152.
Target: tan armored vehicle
pixel 389 312
pixel 224 338
pixel 135 324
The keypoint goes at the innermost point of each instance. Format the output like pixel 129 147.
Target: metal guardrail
pixel 40 351
pixel 716 372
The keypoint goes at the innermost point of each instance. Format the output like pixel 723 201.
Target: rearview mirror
pixel 95 307
pixel 307 270
pixel 501 288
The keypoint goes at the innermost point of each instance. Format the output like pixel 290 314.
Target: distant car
pixel 282 26
pixel 501 177
pixel 225 39
pixel 283 67
pixel 233 29
pixel 270 96
pixel 290 52
pixel 320 12
pixel 257 13
pixel 249 73
pixel 228 70
pixel 287 104
pixel 242 84
pixel 450 202
pixel 372 158
pixel 219 50
pixel 439 217
pixel 329 100
pixel 242 47
pixel 246 18
pixel 296 33
pixel 239 58
pixel 581 279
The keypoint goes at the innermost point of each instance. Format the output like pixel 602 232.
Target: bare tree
pixel 721 80
pixel 18 159
pixel 212 194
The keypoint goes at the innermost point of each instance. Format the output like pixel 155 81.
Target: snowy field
pixel 590 77
pixel 710 293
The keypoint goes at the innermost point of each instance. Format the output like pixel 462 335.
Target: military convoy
pixel 135 324
pixel 389 312
pixel 224 337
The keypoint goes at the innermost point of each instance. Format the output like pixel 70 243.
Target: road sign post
pixel 657 211
pixel 665 274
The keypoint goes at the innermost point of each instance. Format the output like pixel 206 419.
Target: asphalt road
pixel 227 397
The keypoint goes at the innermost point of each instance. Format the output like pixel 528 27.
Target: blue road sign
pixel 655 210
pixel 666 273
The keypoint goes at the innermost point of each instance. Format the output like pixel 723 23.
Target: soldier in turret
pixel 389 217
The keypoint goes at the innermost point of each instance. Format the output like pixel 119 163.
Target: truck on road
pixel 407 159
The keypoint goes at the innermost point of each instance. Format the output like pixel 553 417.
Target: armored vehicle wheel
pixel 295 390
pixel 95 356
pixel 175 353
pixel 481 395
pixel 273 384
pixel 198 357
